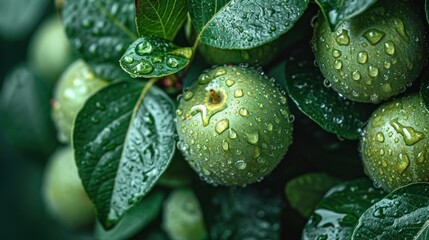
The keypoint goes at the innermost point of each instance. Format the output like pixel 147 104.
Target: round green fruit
pixel 76 85
pixel 395 143
pixel 233 125
pixel 50 52
pixel 182 216
pixel 63 193
pixel 375 55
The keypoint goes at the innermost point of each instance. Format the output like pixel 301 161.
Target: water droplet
pixel 219 72
pixel 336 53
pixel 372 71
pixel 230 82
pixel 221 126
pixel 243 112
pixel 232 134
pixel 179 112
pixel 387 87
pixel 379 213
pixel 95 120
pixel 238 93
pixel 100 106
pixel 356 75
pixel 389 47
pixel 188 95
pixel 343 38
pixel 157 60
pixel 225 145
pixel 252 137
pixel 128 59
pixel 403 162
pixel 400 28
pixel 172 62
pixel 338 64
pixel 362 57
pixel 379 137
pixel 374 36
pixel 204 79
pixel 143 48
pixel 387 65
pixel 241 165
pixel 256 152
pixel 410 135
pixel 144 67
pixel 374 98
pixel 421 156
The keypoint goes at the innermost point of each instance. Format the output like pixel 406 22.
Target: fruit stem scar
pixel 215 96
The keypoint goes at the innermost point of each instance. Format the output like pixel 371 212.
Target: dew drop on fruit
pixel 379 213
pixel 221 126
pixel 240 164
pixel 232 134
pixel 410 135
pixel 243 112
pixel 188 95
pixel 204 79
pixel 327 83
pixel 343 38
pixel 421 156
pixel 387 87
pixel 362 57
pixel 225 145
pixel 252 137
pixel 403 162
pixel 238 93
pixel 389 48
pixel 374 36
pixel 143 48
pixel 374 98
pixel 356 75
pixel 256 152
pixel 379 137
pixel 219 72
pixel 179 112
pixel 338 64
pixel 372 71
pixel 229 82
pixel 400 28
pixel 336 53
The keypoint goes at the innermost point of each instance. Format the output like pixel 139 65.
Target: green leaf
pixel 253 212
pixel 25 113
pixel 123 139
pixel 304 192
pixel 311 94
pixel 18 17
pixel 338 212
pixel 427 10
pixel 134 220
pixel 234 24
pixel 161 18
pixel 337 11
pixel 403 214
pixel 151 57
pixel 101 30
pixel 424 88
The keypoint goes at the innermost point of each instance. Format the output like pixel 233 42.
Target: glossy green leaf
pixel 403 214
pixel 339 211
pixel 427 10
pixel 305 192
pixel 161 18
pixel 311 94
pixel 337 11
pixel 25 113
pixel 151 57
pixel 424 88
pixel 123 140
pixel 253 212
pixel 238 24
pixel 101 30
pixel 134 220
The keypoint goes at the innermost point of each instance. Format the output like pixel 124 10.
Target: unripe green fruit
pixel 63 192
pixel 50 51
pixel 233 125
pixel 395 143
pixel 375 55
pixel 76 85
pixel 182 216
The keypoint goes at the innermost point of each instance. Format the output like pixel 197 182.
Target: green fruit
pixel 182 216
pixel 233 125
pixel 76 85
pixel 63 193
pixel 395 143
pixel 50 52
pixel 375 55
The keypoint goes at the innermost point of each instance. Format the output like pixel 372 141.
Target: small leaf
pixel 424 88
pixel 151 57
pixel 160 18
pixel 100 30
pixel 253 212
pixel 304 192
pixel 338 11
pixel 308 90
pixel 25 113
pixel 235 24
pixel 134 220
pixel 403 214
pixel 123 140
pixel 339 210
